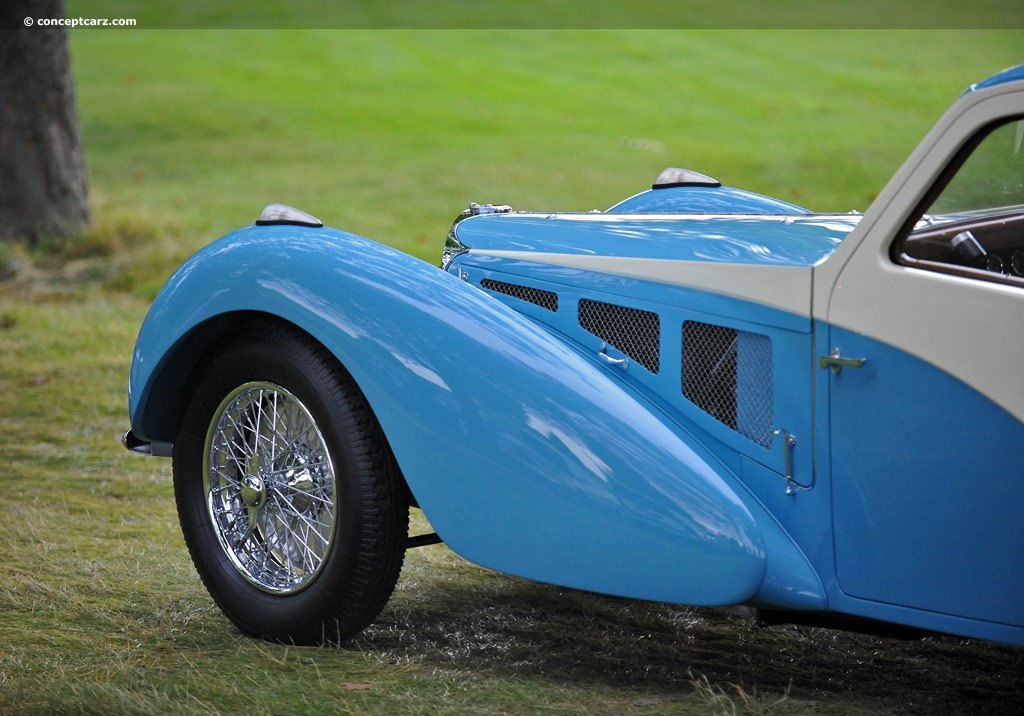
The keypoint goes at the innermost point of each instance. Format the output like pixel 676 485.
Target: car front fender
pixel 526 456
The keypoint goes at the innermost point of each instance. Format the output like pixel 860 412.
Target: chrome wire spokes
pixel 270 487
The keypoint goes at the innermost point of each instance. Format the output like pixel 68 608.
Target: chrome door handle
pixel 836 362
pixel 610 360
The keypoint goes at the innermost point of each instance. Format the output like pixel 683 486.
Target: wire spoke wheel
pixel 291 503
pixel 270 486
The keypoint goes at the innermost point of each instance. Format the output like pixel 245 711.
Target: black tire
pixel 288 495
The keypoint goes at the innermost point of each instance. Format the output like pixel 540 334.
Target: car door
pixel 921 378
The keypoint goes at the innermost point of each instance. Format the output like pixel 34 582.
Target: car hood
pixel 780 240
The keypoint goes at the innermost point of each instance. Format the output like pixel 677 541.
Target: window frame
pixel 911 226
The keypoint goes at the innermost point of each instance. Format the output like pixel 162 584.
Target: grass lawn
pixel 390 134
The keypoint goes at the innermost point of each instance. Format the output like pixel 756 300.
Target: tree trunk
pixel 44 189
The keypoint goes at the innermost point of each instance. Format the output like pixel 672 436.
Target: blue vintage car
pixel 700 396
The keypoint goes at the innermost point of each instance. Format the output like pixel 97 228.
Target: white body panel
pixel 787 288
pixel 969 328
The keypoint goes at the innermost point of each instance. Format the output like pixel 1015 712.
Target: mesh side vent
pixel 536 296
pixel 728 374
pixel 634 332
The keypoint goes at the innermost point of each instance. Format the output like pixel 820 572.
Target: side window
pixel 972 223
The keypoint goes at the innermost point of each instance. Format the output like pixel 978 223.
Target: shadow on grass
pixel 511 627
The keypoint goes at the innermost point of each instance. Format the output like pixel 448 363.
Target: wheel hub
pixel 253 490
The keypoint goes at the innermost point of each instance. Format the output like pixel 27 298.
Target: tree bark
pixel 44 190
